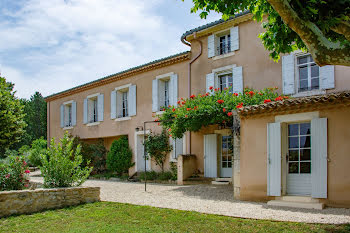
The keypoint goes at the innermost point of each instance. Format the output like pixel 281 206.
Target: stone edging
pixel 31 201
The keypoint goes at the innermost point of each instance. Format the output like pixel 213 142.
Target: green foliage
pixel 62 165
pixel 96 153
pixel 153 175
pixel 11 116
pixel 39 147
pixel 14 174
pixel 279 38
pixel 211 108
pixel 119 158
pixel 157 146
pixel 150 175
pixel 173 169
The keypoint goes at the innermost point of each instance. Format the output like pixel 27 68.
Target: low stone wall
pixel 31 201
pixel 186 166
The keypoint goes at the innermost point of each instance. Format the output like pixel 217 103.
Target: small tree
pixel 119 158
pixel 157 146
pixel 61 165
pixel 39 147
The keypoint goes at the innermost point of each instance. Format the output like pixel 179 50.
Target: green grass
pixel 117 217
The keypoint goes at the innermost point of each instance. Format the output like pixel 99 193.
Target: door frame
pixel 137 134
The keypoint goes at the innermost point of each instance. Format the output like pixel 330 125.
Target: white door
pixel 299 159
pixel 210 155
pixel 226 156
pixel 140 155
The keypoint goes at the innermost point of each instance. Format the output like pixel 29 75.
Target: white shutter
pixel 85 111
pixel 274 159
pixel 211 46
pixel 210 81
pixel 319 157
pixel 100 104
pixel 155 95
pixel 161 93
pixel 119 102
pixel 288 74
pixel 132 100
pixel 327 77
pixel 210 155
pixel 234 33
pixel 237 79
pixel 173 92
pixel 62 115
pixel 113 104
pixel 74 113
pixel 177 148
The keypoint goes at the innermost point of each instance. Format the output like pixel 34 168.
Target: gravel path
pixel 211 199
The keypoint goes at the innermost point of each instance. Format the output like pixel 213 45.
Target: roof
pixel 212 24
pixel 125 73
pixel 297 104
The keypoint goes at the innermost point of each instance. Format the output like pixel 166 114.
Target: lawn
pixel 116 217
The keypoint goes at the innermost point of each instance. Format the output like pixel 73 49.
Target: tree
pixel 11 116
pixel 119 158
pixel 319 27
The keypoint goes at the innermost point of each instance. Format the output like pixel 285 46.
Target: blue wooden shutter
pixel 100 104
pixel 210 81
pixel 288 74
pixel 74 113
pixel 113 104
pixel 211 46
pixel 132 100
pixel 85 111
pixel 173 92
pixel 234 33
pixel 155 106
pixel 327 77
pixel 274 159
pixel 237 79
pixel 319 157
pixel 62 115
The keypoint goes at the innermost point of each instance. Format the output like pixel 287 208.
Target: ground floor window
pixel 227 152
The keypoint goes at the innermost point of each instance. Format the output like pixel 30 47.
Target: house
pixel 223 54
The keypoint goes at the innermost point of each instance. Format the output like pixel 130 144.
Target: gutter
pixel 189 147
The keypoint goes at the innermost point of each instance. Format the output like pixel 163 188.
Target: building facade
pixel 222 54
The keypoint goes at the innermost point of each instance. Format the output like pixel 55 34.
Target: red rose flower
pixel 211 88
pixel 170 135
pixel 267 101
pixel 251 93
pixel 178 102
pixel 7 176
pixel 158 123
pixel 192 96
pixel 206 94
pixel 188 109
pixel 27 171
pixel 156 119
pixel 224 109
pixel 279 98
pixel 24 163
pixel 239 106
pixel 235 94
pixel 229 114
pixel 174 109
pixel 186 116
pixel 285 97
pixel 169 130
pixel 183 102
pixel 220 101
pixel 260 93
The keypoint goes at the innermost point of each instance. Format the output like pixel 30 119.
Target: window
pixel 68 115
pixel 166 93
pixel 299 148
pixel 224 44
pixel 124 112
pixel 227 152
pixel 225 81
pixel 309 74
pixel 92 110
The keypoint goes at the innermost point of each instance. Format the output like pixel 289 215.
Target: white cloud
pixel 50 46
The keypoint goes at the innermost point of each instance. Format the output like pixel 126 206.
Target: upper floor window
pixel 68 114
pixel 224 44
pixel 309 73
pixel 123 102
pixel 93 108
pixel 225 82
pixel 164 91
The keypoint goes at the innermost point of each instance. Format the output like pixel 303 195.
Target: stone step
pixel 304 205
pixel 229 179
pixel 298 199
pixel 220 182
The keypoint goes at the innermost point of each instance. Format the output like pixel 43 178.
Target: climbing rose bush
pixel 213 107
pixel 14 175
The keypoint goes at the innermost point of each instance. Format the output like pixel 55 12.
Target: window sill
pixel 160 112
pixel 123 119
pixel 93 123
pixel 309 93
pixel 67 127
pixel 223 55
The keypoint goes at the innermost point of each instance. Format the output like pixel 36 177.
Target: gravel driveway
pixel 211 199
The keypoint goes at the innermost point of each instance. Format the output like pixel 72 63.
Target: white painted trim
pixel 167 75
pixel 93 95
pixel 68 102
pixel 306 116
pixel 123 87
pixel 135 147
pixel 160 112
pixel 66 128
pixel 223 31
pixel 123 119
pixel 93 123
pixel 223 55
pixel 309 93
pixel 223 69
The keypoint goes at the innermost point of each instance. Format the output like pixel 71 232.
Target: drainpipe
pixel 189 78
pixel 48 124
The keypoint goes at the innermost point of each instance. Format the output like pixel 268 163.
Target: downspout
pixel 189 147
pixel 48 124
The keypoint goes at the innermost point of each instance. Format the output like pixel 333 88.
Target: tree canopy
pixel 321 27
pixel 11 116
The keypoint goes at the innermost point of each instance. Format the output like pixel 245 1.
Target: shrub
pixel 157 146
pixel 14 174
pixel 61 165
pixel 173 169
pixel 39 146
pixel 165 176
pixel 119 158
pixel 151 175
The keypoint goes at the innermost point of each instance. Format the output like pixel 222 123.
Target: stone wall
pixel 31 201
pixel 186 166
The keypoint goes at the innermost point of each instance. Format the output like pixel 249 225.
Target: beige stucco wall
pixel 254 157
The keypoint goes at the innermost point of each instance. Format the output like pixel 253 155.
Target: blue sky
pixel 50 46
